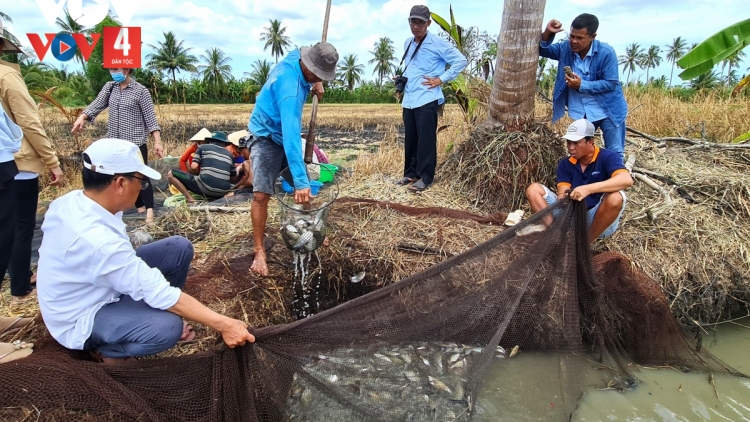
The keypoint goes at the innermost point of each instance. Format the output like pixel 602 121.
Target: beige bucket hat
pixel 321 59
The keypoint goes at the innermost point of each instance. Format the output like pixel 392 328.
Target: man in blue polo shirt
pixel 276 124
pixel 595 175
pixel 592 89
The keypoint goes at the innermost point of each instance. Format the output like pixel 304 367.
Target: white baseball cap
pixel 579 129
pixel 116 156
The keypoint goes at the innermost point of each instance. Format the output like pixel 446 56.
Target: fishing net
pixel 416 350
pixel 303 226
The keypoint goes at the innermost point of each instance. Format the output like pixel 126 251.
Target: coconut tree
pixel 704 81
pixel 734 60
pixel 274 37
pixel 70 26
pixel 383 58
pixel 632 58
pixel 350 71
pixel 215 69
pixel 171 56
pixel 514 81
pixel 651 59
pixel 260 71
pixel 675 51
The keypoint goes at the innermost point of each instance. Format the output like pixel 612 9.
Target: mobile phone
pixel 568 70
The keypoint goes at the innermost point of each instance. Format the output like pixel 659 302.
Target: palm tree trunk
pixel 671 74
pixel 514 82
pixel 174 84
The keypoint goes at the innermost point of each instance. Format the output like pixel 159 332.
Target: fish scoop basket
pixel 303 226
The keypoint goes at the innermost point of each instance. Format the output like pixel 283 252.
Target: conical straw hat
pixel 201 135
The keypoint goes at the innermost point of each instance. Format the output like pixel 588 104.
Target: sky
pixel 235 26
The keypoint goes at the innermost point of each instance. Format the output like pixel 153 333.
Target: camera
pixel 400 82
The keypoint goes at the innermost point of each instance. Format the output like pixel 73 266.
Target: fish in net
pixel 416 350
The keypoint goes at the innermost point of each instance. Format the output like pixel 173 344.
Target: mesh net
pixel 303 227
pixel 416 350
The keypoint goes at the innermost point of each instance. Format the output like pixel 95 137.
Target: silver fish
pixel 439 385
pixel 303 240
pixel 412 376
pixel 382 357
pixel 454 357
pixel 356 278
pixel 459 364
pixel 307 396
pixel 458 392
pixel 290 229
pixel 311 245
pixel 514 351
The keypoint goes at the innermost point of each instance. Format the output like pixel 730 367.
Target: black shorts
pixel 188 180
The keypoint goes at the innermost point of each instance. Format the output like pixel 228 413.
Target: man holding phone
pixel 589 83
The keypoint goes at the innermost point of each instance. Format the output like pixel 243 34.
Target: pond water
pixel 661 394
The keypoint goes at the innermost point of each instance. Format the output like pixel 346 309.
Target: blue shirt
pixel 605 164
pixel 431 60
pixel 10 137
pixel 278 113
pixel 582 104
pixel 603 83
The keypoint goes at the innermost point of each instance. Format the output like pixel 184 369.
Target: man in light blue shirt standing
pixel 592 89
pixel 276 124
pixel 430 62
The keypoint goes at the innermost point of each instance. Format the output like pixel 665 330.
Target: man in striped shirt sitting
pixel 212 172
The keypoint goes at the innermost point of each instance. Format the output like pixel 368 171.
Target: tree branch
pixel 694 143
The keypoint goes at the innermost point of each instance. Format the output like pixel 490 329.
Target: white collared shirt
pixel 85 262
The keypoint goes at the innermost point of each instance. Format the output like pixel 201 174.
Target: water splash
pixel 306 301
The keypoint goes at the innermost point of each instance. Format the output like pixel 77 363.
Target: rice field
pixel 707 281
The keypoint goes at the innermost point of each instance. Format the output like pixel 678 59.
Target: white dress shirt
pixel 85 262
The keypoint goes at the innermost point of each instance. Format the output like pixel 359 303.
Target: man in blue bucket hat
pixel 276 123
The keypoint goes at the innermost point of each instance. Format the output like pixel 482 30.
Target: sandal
pixel 16 350
pixel 29 298
pixel 10 325
pixel 406 181
pixel 418 187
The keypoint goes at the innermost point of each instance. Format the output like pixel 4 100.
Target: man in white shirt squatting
pixel 96 292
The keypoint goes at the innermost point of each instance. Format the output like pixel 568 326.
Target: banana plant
pixel 714 50
pixel 453 30
pixel 459 85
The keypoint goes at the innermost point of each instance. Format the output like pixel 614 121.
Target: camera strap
pixel 412 54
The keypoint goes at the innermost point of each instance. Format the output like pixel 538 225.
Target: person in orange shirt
pixel 198 139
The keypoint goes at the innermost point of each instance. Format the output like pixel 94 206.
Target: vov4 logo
pixel 122 46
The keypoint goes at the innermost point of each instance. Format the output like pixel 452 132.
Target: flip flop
pixel 406 181
pixel 418 187
pixel 23 300
pixel 10 325
pixel 16 350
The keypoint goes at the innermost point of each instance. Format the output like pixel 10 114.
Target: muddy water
pixel 661 395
